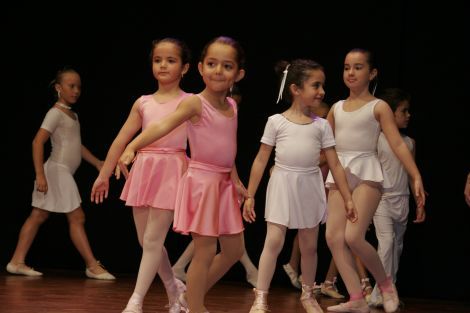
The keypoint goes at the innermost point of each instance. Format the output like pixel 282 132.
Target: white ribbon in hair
pixel 283 83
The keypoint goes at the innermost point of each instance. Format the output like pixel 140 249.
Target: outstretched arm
pixel 341 182
pixel 257 170
pixel 385 117
pixel 42 136
pixel 189 109
pixel 100 188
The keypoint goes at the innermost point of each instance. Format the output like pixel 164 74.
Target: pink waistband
pixel 160 150
pixel 209 167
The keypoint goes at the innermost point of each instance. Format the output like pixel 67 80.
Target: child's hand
pixel 126 158
pixel 419 193
pixel 351 212
pixel 241 192
pixel 249 214
pixel 41 184
pixel 100 189
pixel 420 215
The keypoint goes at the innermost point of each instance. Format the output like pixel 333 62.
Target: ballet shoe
pixel 390 301
pixel 21 269
pixel 308 301
pixel 293 275
pixel 133 308
pixel 102 276
pixel 260 305
pixel 366 290
pixel 328 288
pixel 351 307
pixel 177 305
pixel 183 303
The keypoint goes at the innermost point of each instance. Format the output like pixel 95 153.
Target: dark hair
pixel 370 59
pixel 59 76
pixel 297 73
pixel 393 96
pixel 230 42
pixel 185 53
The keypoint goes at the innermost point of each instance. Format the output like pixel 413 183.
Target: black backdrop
pixel 419 48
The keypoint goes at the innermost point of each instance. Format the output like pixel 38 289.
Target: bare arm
pixel 341 182
pixel 257 170
pixel 132 125
pixel 385 117
pixel 189 109
pixel 42 136
pixel 100 188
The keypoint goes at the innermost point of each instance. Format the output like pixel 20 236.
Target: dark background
pixel 419 47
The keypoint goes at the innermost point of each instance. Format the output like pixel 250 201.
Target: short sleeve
pixel 328 140
pixel 269 135
pixel 52 120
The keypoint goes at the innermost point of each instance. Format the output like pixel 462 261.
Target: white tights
pixel 275 237
pixel 152 227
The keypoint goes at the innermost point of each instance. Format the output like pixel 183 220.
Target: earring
pixel 231 90
pixel 58 94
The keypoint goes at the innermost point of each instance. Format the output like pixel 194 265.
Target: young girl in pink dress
pixel 357 122
pixel 207 205
pixel 295 197
pixel 151 185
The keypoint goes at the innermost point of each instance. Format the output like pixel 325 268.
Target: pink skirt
pixel 207 202
pixel 154 178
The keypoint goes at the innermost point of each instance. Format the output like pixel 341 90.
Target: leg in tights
pixel 294 260
pixel 231 250
pixel 366 198
pixel 308 239
pixel 205 248
pixel 180 266
pixel 273 244
pixel 152 226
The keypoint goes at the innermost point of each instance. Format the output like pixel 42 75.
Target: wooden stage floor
pixel 65 291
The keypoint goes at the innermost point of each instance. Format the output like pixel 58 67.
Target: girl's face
pixel 167 66
pixel 356 72
pixel 219 69
pixel 69 88
pixel 312 93
pixel 402 114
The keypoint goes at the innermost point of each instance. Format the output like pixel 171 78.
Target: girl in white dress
pixel 295 196
pixel 55 189
pixel 357 122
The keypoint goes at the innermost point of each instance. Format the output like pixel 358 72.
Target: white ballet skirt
pixel 356 135
pixel 295 195
pixel 62 195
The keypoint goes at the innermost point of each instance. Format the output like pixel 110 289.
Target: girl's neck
pixel 63 105
pixel 360 95
pixel 298 115
pixel 215 99
pixel 163 94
